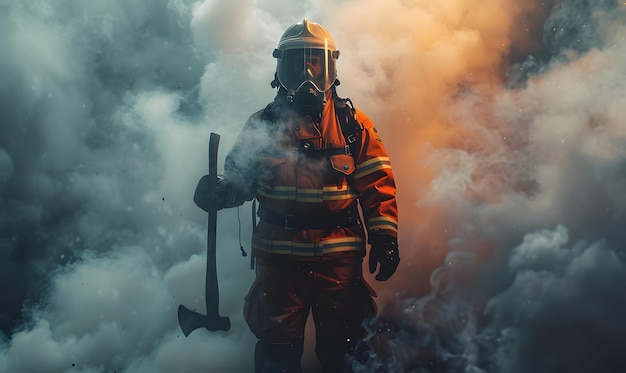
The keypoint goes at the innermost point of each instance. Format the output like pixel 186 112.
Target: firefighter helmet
pixel 306 53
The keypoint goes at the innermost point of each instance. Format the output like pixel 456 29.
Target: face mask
pixel 308 101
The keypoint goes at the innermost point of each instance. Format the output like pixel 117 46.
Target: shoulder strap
pixel 351 128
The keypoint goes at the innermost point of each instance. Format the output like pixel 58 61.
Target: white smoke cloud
pixel 511 192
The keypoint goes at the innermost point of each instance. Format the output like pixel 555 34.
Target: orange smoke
pixel 426 72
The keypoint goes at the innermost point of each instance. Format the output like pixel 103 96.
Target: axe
pixel 190 320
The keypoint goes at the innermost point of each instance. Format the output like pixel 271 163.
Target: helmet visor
pixel 298 66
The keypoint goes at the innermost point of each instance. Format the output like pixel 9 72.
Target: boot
pixel 278 358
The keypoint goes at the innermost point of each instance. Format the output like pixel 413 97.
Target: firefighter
pixel 323 182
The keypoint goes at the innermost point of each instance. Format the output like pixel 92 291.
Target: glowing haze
pixel 503 119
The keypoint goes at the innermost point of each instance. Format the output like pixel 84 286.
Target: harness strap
pixel 325 152
pixel 254 213
pixel 350 126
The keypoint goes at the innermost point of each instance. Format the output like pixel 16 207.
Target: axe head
pixel 191 320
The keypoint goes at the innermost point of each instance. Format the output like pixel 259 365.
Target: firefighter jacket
pixel 304 176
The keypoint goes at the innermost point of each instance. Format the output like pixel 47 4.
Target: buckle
pixel 347 150
pixel 290 221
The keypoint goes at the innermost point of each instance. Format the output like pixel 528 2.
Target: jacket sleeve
pixel 241 163
pixel 373 179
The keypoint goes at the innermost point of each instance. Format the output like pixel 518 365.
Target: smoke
pixel 503 122
pixel 536 158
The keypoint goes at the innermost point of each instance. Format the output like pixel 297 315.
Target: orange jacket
pixel 267 162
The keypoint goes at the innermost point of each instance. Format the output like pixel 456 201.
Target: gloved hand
pixel 384 251
pixel 206 201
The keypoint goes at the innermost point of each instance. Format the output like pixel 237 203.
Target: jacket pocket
pixel 342 163
pixel 254 313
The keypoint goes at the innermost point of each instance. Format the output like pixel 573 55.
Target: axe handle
pixel 191 320
pixel 212 295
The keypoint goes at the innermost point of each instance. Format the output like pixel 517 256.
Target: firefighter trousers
pixel 278 305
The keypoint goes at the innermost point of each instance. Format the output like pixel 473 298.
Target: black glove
pixel 203 199
pixel 226 194
pixel 384 251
